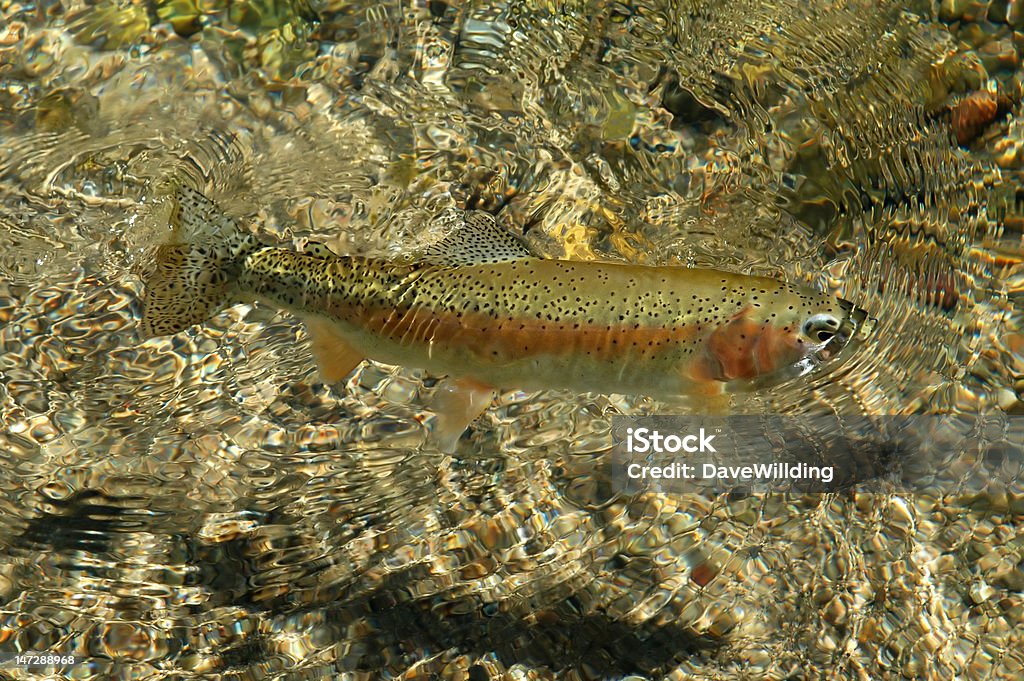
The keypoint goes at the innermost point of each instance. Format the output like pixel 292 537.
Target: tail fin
pixel 192 277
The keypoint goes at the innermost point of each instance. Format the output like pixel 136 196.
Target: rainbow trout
pixel 477 305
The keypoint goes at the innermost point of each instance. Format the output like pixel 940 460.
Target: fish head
pixel 764 344
pixel 827 333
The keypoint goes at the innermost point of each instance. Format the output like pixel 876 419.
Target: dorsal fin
pixel 477 240
pixel 317 249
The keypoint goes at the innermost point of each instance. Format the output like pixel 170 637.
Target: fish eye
pixel 821 327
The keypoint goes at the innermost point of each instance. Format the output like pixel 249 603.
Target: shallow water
pixel 202 506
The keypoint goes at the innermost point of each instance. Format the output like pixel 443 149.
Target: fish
pixel 480 307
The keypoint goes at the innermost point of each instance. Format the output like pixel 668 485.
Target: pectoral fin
pixel 334 356
pixel 457 403
pixel 707 398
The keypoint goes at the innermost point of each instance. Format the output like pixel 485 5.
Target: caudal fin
pixel 192 276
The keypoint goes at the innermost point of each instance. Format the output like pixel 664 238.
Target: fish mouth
pixel 853 329
pixel 856 326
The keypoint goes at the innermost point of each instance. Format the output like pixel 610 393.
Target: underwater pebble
pixel 1015 13
pixel 963 10
pixel 972 114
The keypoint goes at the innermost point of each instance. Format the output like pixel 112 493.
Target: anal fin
pixel 334 356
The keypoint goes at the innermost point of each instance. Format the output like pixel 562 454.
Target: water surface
pixel 203 506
